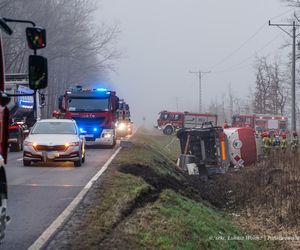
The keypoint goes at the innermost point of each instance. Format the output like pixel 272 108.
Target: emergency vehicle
pixel 21 109
pixel 169 122
pixel 124 125
pixel 94 111
pixel 262 122
pixel 38 79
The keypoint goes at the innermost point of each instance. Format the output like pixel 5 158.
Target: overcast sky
pixel 162 40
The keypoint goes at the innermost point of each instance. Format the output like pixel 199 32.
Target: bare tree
pixel 271 92
pixel 78 50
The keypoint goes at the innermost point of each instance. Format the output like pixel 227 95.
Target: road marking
pixel 43 185
pixel 62 218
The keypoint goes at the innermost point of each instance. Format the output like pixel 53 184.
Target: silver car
pixel 54 140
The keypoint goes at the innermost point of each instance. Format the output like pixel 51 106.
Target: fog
pixel 162 40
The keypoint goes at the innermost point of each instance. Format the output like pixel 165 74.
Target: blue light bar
pixel 95 129
pixel 101 89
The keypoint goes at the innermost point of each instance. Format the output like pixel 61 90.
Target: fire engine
pixel 94 111
pixel 169 122
pixel 21 108
pixel 262 122
pixel 38 76
pixel 124 124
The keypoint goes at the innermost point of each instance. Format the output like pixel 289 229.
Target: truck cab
pixel 94 111
pixel 207 147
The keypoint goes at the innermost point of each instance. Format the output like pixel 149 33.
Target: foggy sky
pixel 162 40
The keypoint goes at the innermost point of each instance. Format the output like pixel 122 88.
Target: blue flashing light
pixel 81 129
pixel 95 129
pixel 101 89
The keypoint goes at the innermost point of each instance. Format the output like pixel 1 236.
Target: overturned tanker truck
pixel 210 150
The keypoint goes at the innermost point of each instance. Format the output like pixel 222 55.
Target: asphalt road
pixel 39 193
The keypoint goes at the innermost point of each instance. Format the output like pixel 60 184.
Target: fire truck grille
pixel 50 148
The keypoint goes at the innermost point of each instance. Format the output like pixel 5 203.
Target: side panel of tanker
pixel 243 146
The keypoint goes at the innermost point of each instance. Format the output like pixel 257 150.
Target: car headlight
pixel 29 143
pixel 68 144
pixel 107 135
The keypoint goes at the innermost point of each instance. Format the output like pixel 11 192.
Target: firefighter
pixel 284 143
pixel 294 142
pixel 266 143
pixel 276 142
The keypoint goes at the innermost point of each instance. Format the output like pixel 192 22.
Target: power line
pixel 249 57
pixel 248 40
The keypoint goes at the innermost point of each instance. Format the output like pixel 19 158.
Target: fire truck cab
pixel 94 111
pixel 169 122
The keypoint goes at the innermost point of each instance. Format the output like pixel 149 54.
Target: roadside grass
pixel 144 202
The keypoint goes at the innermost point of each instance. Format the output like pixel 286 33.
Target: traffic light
pixel 36 37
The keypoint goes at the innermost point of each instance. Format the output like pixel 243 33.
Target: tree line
pixel 78 49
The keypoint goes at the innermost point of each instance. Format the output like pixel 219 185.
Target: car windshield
pixel 54 128
pixel 91 105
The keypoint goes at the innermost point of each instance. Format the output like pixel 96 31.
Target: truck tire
pixel 168 130
pixel 3 203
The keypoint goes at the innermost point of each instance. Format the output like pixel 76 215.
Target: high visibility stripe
pixel 223 151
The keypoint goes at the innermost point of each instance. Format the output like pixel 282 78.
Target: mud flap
pixel 3 202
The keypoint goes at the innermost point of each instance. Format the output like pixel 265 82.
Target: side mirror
pixel 4 100
pixel 36 37
pixel 5 27
pixel 38 72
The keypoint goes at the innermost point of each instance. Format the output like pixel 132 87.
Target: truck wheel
pixel 26 163
pixel 3 203
pixel 3 217
pixel 168 130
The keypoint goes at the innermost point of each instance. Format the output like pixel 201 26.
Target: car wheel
pixel 26 163
pixel 83 158
pixel 78 163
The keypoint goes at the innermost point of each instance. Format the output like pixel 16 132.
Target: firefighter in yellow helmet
pixel 266 143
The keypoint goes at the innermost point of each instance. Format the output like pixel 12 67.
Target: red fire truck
pixel 169 122
pixel 94 111
pixel 38 76
pixel 262 122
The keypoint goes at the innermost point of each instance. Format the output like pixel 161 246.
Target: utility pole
pixel 293 36
pixel 199 74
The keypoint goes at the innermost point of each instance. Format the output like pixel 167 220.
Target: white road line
pixel 62 218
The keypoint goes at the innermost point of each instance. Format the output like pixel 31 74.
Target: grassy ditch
pixel 143 202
